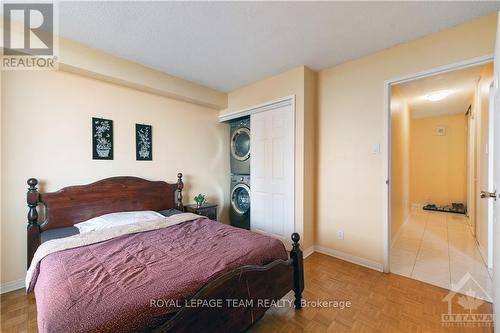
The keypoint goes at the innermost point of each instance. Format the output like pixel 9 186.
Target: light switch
pixel 375 148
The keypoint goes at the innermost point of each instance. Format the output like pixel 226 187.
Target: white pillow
pixel 117 219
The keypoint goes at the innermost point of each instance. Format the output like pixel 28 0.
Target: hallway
pixel 439 248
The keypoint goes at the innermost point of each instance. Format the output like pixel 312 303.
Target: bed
pixel 181 273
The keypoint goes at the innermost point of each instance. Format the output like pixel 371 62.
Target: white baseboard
pixel 307 252
pixel 12 285
pixel 350 258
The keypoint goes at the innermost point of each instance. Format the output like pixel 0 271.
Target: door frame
pixel 386 145
pixel 471 168
pixel 273 104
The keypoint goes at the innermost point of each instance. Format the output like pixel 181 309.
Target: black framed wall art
pixel 102 139
pixel 143 142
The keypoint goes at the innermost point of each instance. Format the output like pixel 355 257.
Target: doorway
pixel 440 230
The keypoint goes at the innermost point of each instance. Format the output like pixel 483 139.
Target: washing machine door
pixel 240 199
pixel 240 144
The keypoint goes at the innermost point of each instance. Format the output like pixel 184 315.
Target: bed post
pixel 180 186
pixel 298 270
pixel 33 230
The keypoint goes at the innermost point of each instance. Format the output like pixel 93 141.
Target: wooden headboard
pixel 74 204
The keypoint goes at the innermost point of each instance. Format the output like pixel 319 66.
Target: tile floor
pixel 439 248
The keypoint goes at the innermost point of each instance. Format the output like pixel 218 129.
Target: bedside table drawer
pixel 211 213
pixel 208 210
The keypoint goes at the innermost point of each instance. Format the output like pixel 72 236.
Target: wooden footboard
pixel 237 299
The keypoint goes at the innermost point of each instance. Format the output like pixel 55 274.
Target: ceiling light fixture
pixel 437 95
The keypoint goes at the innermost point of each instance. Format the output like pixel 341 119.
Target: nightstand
pixel 207 209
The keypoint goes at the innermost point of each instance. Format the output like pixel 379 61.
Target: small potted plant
pixel 199 199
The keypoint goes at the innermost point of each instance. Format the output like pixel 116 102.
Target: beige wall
pixel 310 151
pixel 400 161
pixel 438 162
pixel 300 82
pixel 351 119
pixel 46 133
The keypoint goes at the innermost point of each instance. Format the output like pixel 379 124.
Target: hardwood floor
pixel 18 312
pixel 380 303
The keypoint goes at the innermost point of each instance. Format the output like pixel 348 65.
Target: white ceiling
pixel 461 84
pixel 226 45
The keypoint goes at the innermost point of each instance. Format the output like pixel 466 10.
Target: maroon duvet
pixel 108 286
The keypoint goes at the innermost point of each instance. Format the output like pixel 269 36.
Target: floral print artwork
pixel 143 141
pixel 102 139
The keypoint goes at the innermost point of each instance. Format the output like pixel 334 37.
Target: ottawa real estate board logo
pixel 28 36
pixel 469 305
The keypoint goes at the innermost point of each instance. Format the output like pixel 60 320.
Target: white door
pixel 495 120
pixel 484 207
pixel 491 187
pixel 272 172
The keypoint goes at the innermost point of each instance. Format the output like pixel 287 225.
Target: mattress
pixel 58 233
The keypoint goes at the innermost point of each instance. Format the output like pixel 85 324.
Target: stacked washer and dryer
pixel 240 173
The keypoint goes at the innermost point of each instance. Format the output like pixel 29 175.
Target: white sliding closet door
pixel 272 171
